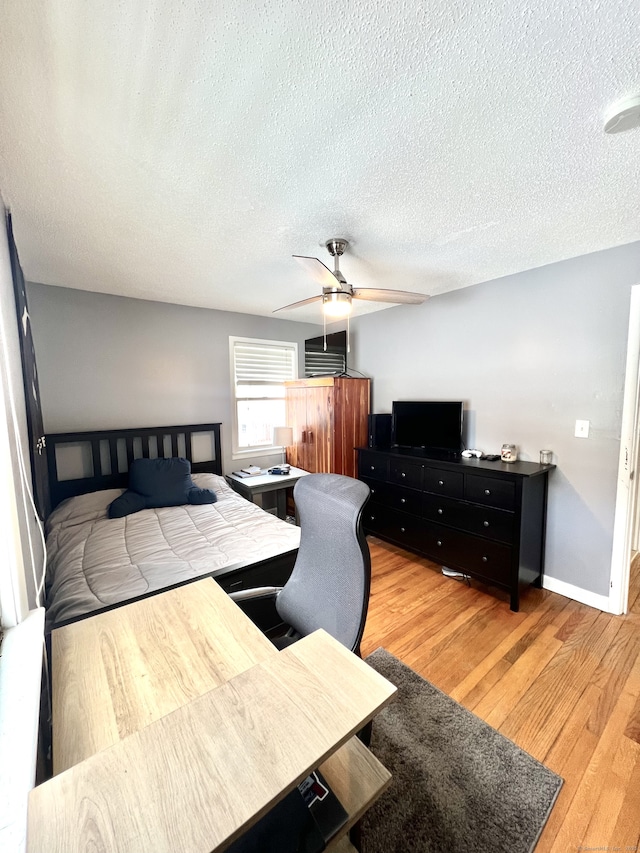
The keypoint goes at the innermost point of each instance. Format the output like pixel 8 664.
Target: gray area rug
pixel 458 785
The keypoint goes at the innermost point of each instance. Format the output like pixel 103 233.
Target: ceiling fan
pixel 337 293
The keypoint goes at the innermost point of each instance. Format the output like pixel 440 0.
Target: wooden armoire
pixel 329 417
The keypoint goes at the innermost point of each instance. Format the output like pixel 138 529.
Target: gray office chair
pixel 330 582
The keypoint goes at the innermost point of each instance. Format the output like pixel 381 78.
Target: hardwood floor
pixel 560 679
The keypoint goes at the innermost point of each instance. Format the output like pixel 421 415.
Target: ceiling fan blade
pixel 318 270
pixel 299 304
pixel 374 294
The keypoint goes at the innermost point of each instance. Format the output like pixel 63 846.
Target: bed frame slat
pixel 95 457
pixel 113 455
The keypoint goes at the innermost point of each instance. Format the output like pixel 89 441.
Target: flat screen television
pixel 427 426
pixel 331 361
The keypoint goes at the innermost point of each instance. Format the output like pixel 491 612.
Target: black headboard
pixel 110 452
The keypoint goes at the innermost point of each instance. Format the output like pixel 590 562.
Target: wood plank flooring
pixel 560 679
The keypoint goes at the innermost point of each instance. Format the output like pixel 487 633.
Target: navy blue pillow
pixel 126 504
pixel 202 496
pixel 157 483
pixel 163 482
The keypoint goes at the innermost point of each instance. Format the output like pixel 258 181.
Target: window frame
pixel 238 452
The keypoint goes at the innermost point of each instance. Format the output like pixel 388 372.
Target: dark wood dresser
pixel 486 519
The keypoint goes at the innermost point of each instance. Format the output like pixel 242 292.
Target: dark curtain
pixel 30 375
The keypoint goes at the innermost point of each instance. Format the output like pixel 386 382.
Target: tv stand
pixel 485 519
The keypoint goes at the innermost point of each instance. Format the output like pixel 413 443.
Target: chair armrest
pixel 256 592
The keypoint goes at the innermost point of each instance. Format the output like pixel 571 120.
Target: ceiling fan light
pixel 336 304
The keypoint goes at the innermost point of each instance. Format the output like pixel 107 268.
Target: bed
pixel 96 562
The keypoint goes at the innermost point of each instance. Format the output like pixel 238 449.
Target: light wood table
pixel 176 725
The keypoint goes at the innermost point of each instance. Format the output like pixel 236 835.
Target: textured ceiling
pixel 183 151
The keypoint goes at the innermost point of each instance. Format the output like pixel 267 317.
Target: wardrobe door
pixel 350 423
pixel 319 435
pixel 297 420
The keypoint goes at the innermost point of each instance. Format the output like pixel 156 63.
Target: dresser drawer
pixel 444 510
pixel 400 527
pixel 449 483
pixel 487 521
pixel 373 517
pixel 379 490
pixel 439 543
pixel 498 524
pixel 405 500
pixel 490 491
pixel 406 473
pixel 373 466
pixel 490 561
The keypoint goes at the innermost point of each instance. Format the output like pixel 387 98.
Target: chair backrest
pixel 330 583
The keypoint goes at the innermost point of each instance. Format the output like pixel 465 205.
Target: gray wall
pixel 111 362
pixel 528 354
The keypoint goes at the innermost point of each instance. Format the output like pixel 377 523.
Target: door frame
pixel 627 481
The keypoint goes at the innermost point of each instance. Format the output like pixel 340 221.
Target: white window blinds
pixel 257 363
pixel 259 370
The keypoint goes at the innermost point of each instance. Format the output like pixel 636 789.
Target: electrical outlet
pixel 582 429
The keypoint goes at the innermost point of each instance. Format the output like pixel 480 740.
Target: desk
pixel 170 717
pixel 249 487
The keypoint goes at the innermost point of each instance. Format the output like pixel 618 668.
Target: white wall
pixel 528 354
pixel 112 362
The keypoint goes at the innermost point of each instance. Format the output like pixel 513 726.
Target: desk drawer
pixel 490 491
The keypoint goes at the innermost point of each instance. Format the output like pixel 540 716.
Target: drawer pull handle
pixel 485 559
pixel 440 511
pixel 439 542
pixel 487 491
pixel 441 482
pixel 373 467
pixel 403 500
pixel 403 474
pixel 402 530
pixel 485 523
pixel 373 491
pixel 235 586
pixel 372 518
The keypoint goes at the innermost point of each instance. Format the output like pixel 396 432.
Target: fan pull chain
pixel 324 330
pixel 348 338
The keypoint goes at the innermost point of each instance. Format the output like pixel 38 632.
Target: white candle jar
pixel 508 453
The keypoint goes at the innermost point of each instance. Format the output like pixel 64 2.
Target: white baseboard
pixel 591 599
pixel 20 679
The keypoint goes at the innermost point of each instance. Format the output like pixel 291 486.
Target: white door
pixel 627 504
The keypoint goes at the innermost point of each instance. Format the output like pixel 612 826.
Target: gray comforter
pixel 95 561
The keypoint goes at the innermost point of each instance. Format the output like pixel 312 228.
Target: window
pixel 259 370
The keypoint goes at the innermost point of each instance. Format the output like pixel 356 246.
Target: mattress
pixel 94 561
